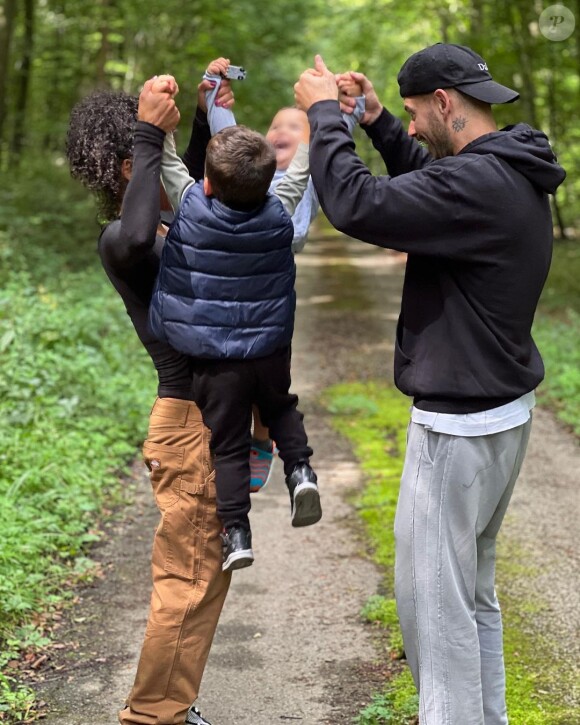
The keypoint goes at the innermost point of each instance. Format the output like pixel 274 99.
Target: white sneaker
pixel 194 717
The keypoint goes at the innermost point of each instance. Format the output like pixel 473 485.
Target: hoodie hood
pixel 525 150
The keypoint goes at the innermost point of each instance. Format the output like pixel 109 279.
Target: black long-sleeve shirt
pixel 130 247
pixel 478 231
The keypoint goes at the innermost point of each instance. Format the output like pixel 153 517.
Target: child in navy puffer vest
pixel 225 296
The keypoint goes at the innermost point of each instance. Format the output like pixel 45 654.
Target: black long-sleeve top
pixel 130 247
pixel 478 232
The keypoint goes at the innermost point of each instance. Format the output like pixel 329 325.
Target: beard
pixel 439 141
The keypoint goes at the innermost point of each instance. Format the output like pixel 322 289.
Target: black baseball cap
pixel 445 65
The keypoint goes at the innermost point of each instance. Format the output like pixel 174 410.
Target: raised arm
pixel 292 187
pixel 219 116
pixel 194 156
pixel 399 151
pixel 174 173
pixel 129 239
pixel 351 99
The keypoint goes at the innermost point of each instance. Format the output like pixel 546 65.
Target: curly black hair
pixel 99 138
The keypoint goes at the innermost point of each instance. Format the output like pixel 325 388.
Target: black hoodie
pixel 478 231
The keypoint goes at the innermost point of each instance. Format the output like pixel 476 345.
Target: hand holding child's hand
pixel 225 95
pixel 348 85
pixel 158 106
pixel 165 84
pixel 374 107
pixel 349 89
pixel 315 84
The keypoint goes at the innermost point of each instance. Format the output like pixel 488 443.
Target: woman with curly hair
pixel 114 148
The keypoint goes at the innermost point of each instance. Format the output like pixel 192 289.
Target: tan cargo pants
pixel 189 587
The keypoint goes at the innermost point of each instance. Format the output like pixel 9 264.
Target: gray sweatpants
pixel 454 494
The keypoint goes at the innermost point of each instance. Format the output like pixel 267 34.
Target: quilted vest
pixel 225 288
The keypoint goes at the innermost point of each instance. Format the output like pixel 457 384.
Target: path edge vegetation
pixel 76 387
pixel 373 417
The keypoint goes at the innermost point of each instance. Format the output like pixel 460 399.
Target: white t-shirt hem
pixel 486 422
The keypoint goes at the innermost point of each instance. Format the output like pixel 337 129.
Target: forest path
pixel 290 646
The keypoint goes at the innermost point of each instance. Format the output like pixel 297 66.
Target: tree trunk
pixel 24 83
pixel 7 14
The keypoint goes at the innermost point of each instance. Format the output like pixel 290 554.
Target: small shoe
pixel 237 546
pixel 194 717
pixel 304 496
pixel 261 466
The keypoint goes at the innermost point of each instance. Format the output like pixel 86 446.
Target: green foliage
pixel 75 389
pixel 83 45
pixel 559 344
pixel 396 706
pixel 556 334
pixel 383 612
pixel 373 417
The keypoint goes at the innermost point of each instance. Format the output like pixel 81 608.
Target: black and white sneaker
pixel 304 496
pixel 237 545
pixel 194 717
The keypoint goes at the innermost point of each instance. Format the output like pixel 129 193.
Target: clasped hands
pixel 157 100
pixel 319 84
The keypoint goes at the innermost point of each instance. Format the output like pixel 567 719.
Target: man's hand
pixel 315 84
pixel 158 107
pixel 373 107
pixel 348 89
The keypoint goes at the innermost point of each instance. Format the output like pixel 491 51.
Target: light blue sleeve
pixel 218 118
pixel 353 118
pixel 308 208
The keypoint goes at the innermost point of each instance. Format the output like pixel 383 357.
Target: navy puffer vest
pixel 226 283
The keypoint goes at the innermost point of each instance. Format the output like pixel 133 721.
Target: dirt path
pixel 290 645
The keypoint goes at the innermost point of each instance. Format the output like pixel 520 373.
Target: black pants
pixel 225 391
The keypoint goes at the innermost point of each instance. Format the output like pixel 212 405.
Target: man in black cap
pixel 473 215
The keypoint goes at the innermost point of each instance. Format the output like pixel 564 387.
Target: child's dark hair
pixel 240 165
pixel 99 139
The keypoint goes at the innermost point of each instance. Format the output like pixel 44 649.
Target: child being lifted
pixel 225 296
pixel 285 133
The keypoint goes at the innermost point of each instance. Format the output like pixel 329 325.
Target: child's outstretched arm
pixel 351 95
pixel 174 174
pixel 219 117
pixel 194 154
pixel 292 187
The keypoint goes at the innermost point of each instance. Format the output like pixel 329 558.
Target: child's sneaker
pixel 237 546
pixel 194 717
pixel 261 466
pixel 304 496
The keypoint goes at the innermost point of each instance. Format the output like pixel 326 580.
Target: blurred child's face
pixel 285 133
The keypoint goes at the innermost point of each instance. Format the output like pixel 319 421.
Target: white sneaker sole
pixel 306 509
pixel 238 560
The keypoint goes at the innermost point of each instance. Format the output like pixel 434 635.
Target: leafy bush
pixel 75 389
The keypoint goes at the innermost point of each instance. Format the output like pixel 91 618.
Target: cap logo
pixel 483 66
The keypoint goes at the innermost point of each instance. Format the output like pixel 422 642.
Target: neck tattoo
pixel 459 123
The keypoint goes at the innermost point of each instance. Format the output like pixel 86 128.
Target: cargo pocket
pixel 165 465
pixel 186 525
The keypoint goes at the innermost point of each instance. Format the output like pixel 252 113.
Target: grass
pixel 75 390
pixel 373 417
pixel 556 334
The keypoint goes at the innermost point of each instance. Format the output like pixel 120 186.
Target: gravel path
pixel 290 645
